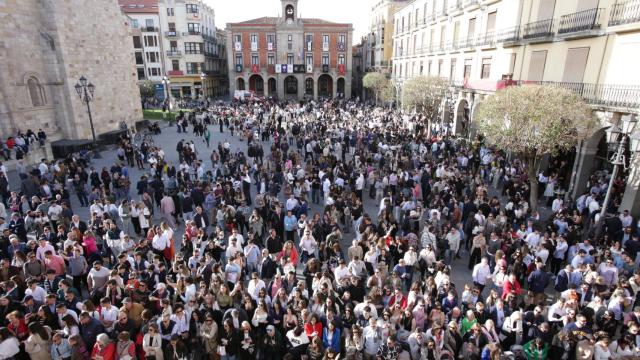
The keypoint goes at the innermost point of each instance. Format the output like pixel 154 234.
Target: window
pixel 150 41
pixel 325 59
pixel 192 8
pixel 141 75
pixel 271 59
pixel 139 58
pixel 173 45
pixel 194 28
pixel 309 42
pixel 175 65
pixel 471 29
pixel 172 26
pixel 149 24
pixel 152 57
pixel 486 68
pixel 325 39
pixel 154 71
pixel 289 58
pixel 169 11
pixel 136 42
pixel 421 67
pixel 289 38
pixel 193 68
pixel 237 38
pixel 440 63
pixel 309 59
pixel 452 69
pixel 341 59
pixel 134 23
pixel 36 92
pixel 429 67
pixel 254 41
pixel 238 59
pixel 467 68
pixel 192 48
pixel 342 39
pixel 255 59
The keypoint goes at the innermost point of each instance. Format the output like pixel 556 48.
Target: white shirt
pixel 481 273
pixel 340 272
pixel 39 294
pixel 110 314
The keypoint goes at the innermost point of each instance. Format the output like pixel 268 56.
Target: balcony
pixel 488 40
pixel 470 3
pixel 538 31
pixel 431 18
pixel 582 21
pixel 455 7
pixel 601 95
pixel 191 32
pixel 171 33
pixel 442 12
pixel 193 52
pixel 509 37
pixel 173 53
pixel 466 43
pixel 149 29
pixel 625 13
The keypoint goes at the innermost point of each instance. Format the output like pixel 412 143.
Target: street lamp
pixel 166 81
pixel 85 91
pixel 203 76
pixel 617 160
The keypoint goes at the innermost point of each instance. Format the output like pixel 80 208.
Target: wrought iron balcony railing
pixel 605 95
pixel 509 35
pixel 581 21
pixel 625 13
pixel 538 29
pixel 487 39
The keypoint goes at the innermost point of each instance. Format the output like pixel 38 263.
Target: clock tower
pixel 289 10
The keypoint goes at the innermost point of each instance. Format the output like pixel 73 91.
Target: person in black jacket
pixel 267 267
pixel 271 345
pixel 229 338
pixel 201 219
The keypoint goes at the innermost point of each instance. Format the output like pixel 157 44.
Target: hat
pixel 127 300
pixel 270 328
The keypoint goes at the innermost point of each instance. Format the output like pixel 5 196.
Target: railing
pixel 192 52
pixel 149 29
pixel 455 5
pixel 171 33
pixel 173 53
pixel 581 21
pixel 625 13
pixel 538 29
pixel 508 35
pixel 467 43
pixel 191 32
pixel 471 2
pixel 488 39
pixel 617 96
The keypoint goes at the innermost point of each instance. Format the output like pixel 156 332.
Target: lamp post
pixel 85 91
pixel 203 76
pixel 166 81
pixel 617 160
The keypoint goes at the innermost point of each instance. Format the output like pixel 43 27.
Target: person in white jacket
pixel 308 246
pixel 9 344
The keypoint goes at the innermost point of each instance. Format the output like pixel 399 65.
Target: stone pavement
pixel 168 140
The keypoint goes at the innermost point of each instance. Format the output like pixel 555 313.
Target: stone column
pixel 631 198
pixel 582 169
pixel 315 87
pixel 335 87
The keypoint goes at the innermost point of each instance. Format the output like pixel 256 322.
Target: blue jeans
pixel 228 357
pixel 448 256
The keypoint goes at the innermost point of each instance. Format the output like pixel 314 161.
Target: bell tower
pixel 289 10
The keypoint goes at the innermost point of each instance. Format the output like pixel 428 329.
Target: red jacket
pixel 309 329
pixel 108 353
pixel 508 286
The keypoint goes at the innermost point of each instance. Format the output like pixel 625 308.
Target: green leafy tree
pixel 425 94
pixel 377 82
pixel 532 121
pixel 147 90
pixel 388 93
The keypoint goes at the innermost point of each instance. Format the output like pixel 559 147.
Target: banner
pixel 255 68
pixel 238 46
pixel 284 68
pixel 278 68
pixel 309 68
pixel 290 69
pixel 270 46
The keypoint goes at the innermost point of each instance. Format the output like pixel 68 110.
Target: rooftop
pixel 272 20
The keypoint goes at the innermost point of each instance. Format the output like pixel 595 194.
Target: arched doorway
pixel 461 123
pixel 308 87
pixel 340 88
pixel 325 86
pixel 290 86
pixel 271 85
pixel 240 84
pixel 256 84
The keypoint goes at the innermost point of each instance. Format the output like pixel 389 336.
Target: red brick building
pixel 290 57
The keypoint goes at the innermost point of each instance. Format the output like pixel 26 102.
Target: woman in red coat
pixel 313 327
pixel 104 349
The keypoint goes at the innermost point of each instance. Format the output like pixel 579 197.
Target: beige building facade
pixel 45 47
pixel 587 46
pixel 380 37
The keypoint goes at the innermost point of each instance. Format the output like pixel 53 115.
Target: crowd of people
pixel 335 230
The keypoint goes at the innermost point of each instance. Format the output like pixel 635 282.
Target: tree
pixel 375 81
pixel 532 121
pixel 425 94
pixel 147 90
pixel 388 93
